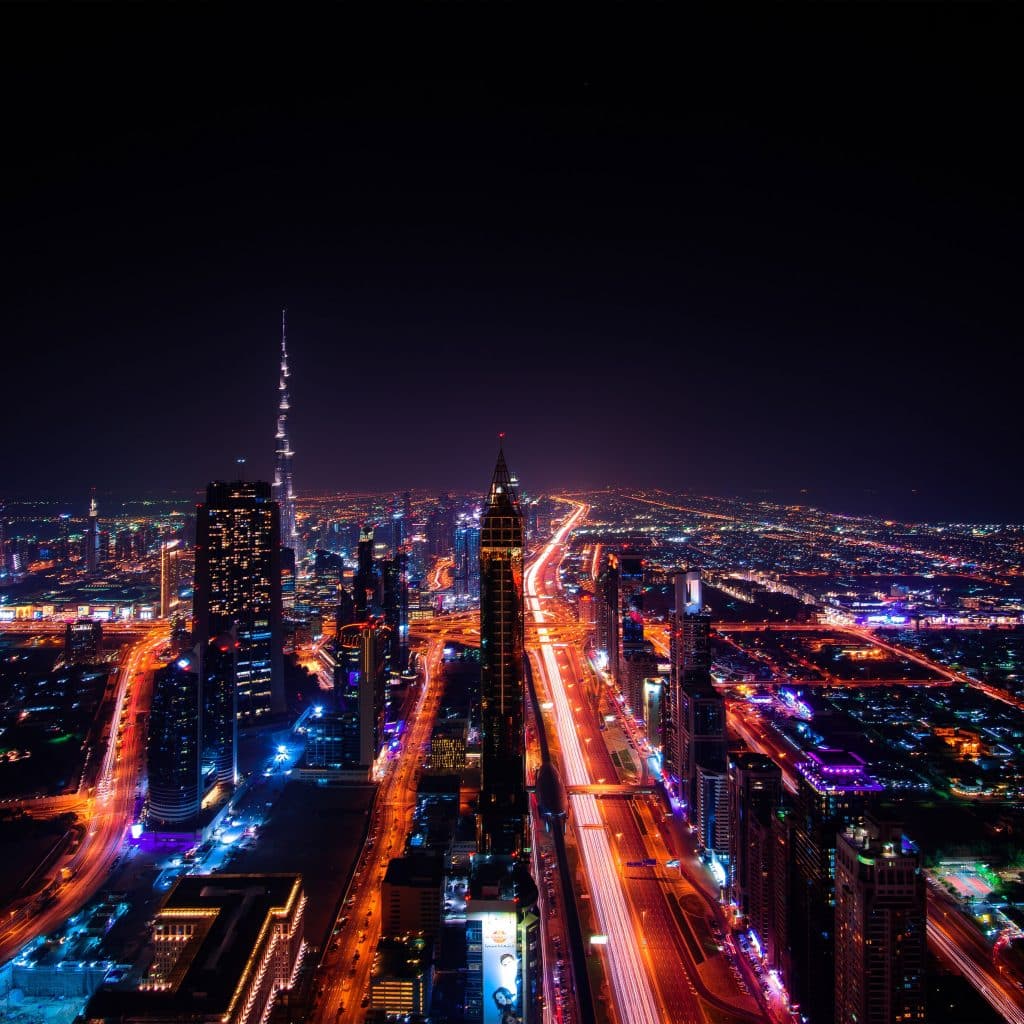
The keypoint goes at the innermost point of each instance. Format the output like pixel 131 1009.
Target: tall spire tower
pixel 92 535
pixel 503 776
pixel 284 493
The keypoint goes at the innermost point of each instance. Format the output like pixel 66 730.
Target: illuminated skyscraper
pixel 284 493
pixel 881 942
pixel 466 574
pixel 503 783
pixel 91 550
pixel 361 689
pixel 64 544
pixel 171 553
pixel 173 748
pixel 687 716
pixel 238 579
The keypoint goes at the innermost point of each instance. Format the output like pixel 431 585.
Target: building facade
pixel 174 747
pixel 834 789
pixel 755 792
pixel 881 936
pixel 503 784
pixel 224 946
pixel 238 579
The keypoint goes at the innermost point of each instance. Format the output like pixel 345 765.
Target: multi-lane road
pixel 106 811
pixel 343 976
pixel 651 974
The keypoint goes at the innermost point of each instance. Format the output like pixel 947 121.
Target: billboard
pixel 499 965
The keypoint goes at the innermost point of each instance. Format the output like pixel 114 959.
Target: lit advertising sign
pixel 500 965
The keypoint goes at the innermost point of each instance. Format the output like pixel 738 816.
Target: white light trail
pixel 634 996
pixel 981 980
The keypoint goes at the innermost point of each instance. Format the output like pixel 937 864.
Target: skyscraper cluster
pixel 367 655
pixel 232 674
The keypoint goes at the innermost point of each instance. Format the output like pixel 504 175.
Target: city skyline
pixel 708 709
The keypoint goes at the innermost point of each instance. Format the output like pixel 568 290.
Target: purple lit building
pixel 834 790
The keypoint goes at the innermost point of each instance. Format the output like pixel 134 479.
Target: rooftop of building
pixel 751 761
pixel 502 878
pixel 406 957
pixel 880 835
pixel 236 910
pixel 837 771
pixel 439 784
pixel 418 870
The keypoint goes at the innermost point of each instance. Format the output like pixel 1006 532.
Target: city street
pixel 343 975
pixel 107 811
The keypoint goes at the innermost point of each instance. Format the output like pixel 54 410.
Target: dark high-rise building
pixel 755 791
pixel 503 783
pixel 466 573
pixel 631 600
pixel 395 586
pixel 238 579
pixel 636 660
pixel 220 699
pixel 284 493
pixel 64 548
pixel 607 597
pixel 288 573
pixel 694 712
pixel 365 583
pixel 123 547
pixel 783 894
pixel 833 791
pixel 361 689
pixel 702 741
pixel 441 527
pixel 91 544
pixel 344 612
pixel 83 642
pixel 173 750
pixel 881 939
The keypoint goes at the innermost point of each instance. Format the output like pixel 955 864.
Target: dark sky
pixel 797 268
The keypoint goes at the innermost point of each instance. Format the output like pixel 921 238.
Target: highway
pixel 954 940
pixel 107 811
pixel 636 1000
pixel 343 975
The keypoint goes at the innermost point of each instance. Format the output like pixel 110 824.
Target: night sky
pixel 797 269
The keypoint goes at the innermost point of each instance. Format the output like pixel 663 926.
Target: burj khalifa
pixel 284 492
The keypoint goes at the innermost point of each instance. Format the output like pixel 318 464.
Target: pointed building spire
pixel 502 483
pixel 283 489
